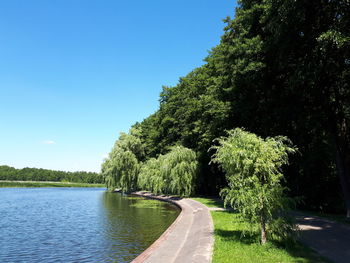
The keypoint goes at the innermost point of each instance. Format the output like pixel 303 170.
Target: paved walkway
pixel 189 239
pixel 330 239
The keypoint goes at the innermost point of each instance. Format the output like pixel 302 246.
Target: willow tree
pixel 150 177
pixel 172 173
pixel 122 166
pixel 107 174
pixel 179 169
pixel 253 171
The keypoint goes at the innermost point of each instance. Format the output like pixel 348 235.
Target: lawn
pixel 232 246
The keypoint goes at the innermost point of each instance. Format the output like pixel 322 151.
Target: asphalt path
pixel 330 239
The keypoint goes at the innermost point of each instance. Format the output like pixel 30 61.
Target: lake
pixel 78 225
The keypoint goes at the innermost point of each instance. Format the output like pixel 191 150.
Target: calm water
pixel 77 225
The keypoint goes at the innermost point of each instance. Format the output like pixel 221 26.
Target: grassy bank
pixel 231 246
pixel 45 184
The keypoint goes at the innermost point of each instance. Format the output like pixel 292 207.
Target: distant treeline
pixel 35 174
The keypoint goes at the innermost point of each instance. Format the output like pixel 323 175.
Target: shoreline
pixel 41 184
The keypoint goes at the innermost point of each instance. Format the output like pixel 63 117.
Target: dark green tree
pixel 282 67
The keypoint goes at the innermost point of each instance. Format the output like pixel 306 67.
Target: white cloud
pixel 48 142
pixel 105 156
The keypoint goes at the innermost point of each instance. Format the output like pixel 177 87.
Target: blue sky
pixel 74 74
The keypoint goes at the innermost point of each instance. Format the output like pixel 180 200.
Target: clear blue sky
pixel 74 74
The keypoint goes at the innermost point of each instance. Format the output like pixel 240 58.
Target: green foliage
pixel 179 168
pixel 131 142
pixel 121 168
pixel 126 169
pixel 34 174
pixel 172 173
pixel 150 176
pixel 282 67
pixel 45 184
pixel 190 114
pixel 253 171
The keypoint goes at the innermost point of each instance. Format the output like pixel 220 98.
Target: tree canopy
pixel 172 173
pixel 281 67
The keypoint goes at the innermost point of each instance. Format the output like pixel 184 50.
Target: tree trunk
pixel 263 230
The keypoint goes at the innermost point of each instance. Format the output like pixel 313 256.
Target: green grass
pixel 45 184
pixel 210 202
pixel 232 246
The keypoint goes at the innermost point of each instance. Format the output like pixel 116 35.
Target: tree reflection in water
pixel 131 224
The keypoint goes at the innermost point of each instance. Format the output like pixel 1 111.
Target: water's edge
pixel 189 239
pixel 145 254
pixel 79 224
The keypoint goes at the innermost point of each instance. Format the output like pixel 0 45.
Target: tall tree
pixel 285 70
pixel 282 67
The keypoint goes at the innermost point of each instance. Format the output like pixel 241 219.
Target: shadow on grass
pixel 237 235
pixel 217 202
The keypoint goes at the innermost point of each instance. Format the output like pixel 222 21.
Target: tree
pixel 172 173
pixel 179 167
pixel 150 177
pixel 192 115
pixel 282 67
pixel 122 166
pixel 253 171
pixel 307 52
pixel 131 142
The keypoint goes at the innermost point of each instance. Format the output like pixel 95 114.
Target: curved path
pixel 189 239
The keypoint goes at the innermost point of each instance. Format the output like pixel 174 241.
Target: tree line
pixel 281 68
pixel 35 174
pixel 252 166
pixel 128 168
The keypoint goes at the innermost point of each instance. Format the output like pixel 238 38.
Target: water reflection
pixel 77 225
pixel 135 223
